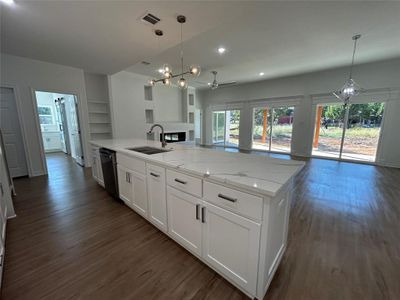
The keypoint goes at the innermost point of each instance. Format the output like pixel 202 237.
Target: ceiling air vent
pixel 146 63
pixel 149 18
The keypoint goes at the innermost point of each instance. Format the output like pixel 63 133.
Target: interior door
pixel 12 135
pixel 62 124
pixel 76 132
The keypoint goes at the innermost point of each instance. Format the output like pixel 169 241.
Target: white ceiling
pixel 100 36
pixel 277 38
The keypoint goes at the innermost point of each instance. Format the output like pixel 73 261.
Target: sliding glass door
pixel 272 128
pixel 362 134
pixel 225 128
pixel 328 130
pixel 218 128
pixel 351 133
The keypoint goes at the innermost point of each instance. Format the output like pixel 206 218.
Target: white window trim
pixel 367 96
pixel 50 115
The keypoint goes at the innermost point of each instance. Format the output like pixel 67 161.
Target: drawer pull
pixel 227 198
pixel 180 181
pixel 197 211
pixel 154 174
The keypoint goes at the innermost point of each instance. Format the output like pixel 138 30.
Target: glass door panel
pixel 282 125
pixel 328 130
pixel 218 127
pixel 232 128
pixel 262 129
pixel 362 132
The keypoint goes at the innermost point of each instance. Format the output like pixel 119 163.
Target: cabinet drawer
pixel 185 183
pixel 132 163
pixel 241 203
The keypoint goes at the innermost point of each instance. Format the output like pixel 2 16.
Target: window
pixel 45 115
pixel 351 133
pixel 272 128
pixel 225 128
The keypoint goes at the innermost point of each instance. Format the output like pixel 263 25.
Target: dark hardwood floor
pixel 70 240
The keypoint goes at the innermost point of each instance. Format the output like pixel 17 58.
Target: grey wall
pixel 96 87
pixel 384 74
pixel 26 75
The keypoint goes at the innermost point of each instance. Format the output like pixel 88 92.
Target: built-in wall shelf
pixel 191 117
pixel 99 112
pixel 148 93
pixel 149 116
pixel 191 135
pixel 99 119
pixel 191 99
pixel 98 102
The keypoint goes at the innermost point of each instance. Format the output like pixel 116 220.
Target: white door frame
pixel 37 122
pixel 22 126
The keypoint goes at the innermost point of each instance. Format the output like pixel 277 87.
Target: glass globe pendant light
pixel 194 70
pixel 350 88
pixel 166 70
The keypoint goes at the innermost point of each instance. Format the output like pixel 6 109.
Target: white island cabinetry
pixel 239 230
pixel 157 197
pixel 132 183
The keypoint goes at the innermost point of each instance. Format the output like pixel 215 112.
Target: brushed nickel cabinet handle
pixel 180 181
pixel 227 198
pixel 154 174
pixel 203 214
pixel 197 211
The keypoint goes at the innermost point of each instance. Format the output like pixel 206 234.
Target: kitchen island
pixel 231 210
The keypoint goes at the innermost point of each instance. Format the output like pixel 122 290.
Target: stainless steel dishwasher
pixel 109 167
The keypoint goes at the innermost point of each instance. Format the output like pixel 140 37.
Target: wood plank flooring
pixel 70 240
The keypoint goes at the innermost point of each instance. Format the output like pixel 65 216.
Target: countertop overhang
pixel 258 174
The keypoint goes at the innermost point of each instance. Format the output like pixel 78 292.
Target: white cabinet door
pixel 184 223
pixel 139 199
pixel 94 168
pixel 231 245
pixel 99 171
pixel 157 196
pixel 124 185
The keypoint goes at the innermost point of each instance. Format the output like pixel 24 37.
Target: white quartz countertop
pixel 259 174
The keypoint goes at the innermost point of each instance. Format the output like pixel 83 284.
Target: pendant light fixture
pixel 350 88
pixel 166 69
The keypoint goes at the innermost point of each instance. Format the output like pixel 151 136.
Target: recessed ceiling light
pixel 9 2
pixel 261 73
pixel 221 50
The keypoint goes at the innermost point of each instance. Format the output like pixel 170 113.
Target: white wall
pixel 128 106
pixel 26 75
pixel 384 74
pixel 96 87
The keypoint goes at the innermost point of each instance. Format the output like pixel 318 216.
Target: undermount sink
pixel 148 150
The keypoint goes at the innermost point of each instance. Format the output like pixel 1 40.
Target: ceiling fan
pixel 215 84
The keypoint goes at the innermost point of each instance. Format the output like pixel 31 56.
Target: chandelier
pixel 166 69
pixel 350 88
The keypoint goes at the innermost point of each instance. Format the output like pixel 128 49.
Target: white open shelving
pixel 99 119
